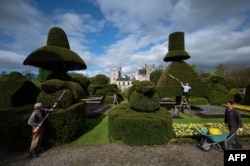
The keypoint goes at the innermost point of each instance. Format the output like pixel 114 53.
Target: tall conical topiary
pixel 56 55
pixel 169 87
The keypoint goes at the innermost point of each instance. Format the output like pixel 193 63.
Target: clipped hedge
pixel 14 131
pixel 13 86
pixel 198 100
pixel 62 126
pixel 53 85
pixel 65 125
pixel 139 128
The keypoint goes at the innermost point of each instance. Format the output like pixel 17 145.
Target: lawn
pixel 97 129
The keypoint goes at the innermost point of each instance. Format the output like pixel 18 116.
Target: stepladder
pixel 183 106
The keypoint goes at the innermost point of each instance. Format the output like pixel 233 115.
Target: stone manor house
pixel 124 82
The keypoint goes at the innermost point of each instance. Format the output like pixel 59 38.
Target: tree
pixel 43 75
pixel 221 70
pixel 241 75
pixel 155 76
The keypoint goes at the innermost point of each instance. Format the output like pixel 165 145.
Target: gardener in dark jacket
pixel 234 123
pixel 36 122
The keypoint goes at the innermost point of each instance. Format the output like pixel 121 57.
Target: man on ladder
pixel 186 89
pixel 184 99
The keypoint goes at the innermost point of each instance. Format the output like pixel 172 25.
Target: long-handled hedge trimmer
pixel 174 78
pixel 35 130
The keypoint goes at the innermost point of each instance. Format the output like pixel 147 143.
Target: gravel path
pixel 114 154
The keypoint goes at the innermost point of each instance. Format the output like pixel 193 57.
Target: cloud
pixel 130 34
pixel 130 16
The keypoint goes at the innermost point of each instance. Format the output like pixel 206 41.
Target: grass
pixel 96 133
pixel 97 129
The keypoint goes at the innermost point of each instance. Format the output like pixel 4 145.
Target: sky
pixel 108 34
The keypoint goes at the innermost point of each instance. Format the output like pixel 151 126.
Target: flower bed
pixel 188 130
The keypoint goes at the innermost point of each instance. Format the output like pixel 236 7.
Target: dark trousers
pixel 186 96
pixel 235 139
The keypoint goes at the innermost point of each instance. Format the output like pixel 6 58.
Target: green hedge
pixel 62 126
pixel 198 100
pixel 17 90
pixel 139 128
pixel 65 125
pixel 14 131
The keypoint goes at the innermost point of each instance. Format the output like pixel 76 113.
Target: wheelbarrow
pixel 207 140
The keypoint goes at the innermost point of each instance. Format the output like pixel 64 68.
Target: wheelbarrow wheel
pixel 205 145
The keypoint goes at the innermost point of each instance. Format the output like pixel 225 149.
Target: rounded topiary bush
pixel 219 94
pixel 132 88
pixel 145 97
pixel 198 100
pixel 139 128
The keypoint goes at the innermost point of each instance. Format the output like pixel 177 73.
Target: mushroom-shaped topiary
pixel 56 55
pixel 145 97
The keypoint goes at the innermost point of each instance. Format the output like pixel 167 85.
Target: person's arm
pixel 48 110
pixel 225 118
pixel 32 120
pixel 238 119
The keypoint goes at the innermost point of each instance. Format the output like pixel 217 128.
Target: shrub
pixel 65 125
pixel 198 100
pixel 219 94
pixel 14 131
pixel 132 88
pixel 13 87
pixel 52 89
pixel 139 128
pixel 145 98
pixel 62 126
pixel 236 95
pixel 247 96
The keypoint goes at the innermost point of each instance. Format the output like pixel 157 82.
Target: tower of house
pixel 115 74
pixel 144 73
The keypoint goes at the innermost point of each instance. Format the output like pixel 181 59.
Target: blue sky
pixel 112 33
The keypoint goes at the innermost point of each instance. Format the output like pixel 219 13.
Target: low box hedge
pixel 139 128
